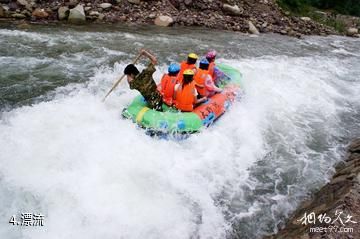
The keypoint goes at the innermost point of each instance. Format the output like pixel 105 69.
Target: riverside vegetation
pixel 287 17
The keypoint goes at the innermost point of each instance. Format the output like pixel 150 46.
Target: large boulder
pixel 40 13
pixel 163 21
pixel 77 14
pixel 352 31
pixel 233 10
pixel 63 13
pixel 253 29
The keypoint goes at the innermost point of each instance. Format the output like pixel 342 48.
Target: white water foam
pixel 95 175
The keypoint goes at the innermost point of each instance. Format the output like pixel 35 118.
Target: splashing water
pixel 67 155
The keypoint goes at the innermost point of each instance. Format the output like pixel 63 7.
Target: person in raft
pixel 168 82
pixel 185 93
pixel 214 71
pixel 189 64
pixel 204 82
pixel 144 82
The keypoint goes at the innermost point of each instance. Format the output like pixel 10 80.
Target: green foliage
pixel 348 7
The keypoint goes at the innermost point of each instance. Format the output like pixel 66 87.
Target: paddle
pixel 118 81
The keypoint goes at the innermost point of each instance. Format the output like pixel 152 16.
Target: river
pixel 71 157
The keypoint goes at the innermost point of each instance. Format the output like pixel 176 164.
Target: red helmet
pixel 211 54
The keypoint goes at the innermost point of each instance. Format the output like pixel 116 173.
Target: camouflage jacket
pixel 146 85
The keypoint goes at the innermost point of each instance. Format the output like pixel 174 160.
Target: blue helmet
pixel 204 61
pixel 173 68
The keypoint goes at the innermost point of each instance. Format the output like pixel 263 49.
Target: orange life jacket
pixel 167 88
pixel 185 98
pixel 185 66
pixel 200 78
pixel 212 70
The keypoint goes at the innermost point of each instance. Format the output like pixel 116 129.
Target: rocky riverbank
pixel 250 16
pixel 332 210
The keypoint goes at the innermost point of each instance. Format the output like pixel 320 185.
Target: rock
pixel 134 1
pixel 152 15
pixel 305 19
pixel 63 13
pixel 25 4
pixel 188 2
pixel 105 5
pixel 87 9
pixel 4 1
pixel 101 16
pixel 352 31
pixel 40 13
pixel 73 3
pixel 77 14
pixel 2 12
pixel 233 10
pixel 13 6
pixel 18 15
pixel 163 21
pixel 321 14
pixel 94 13
pixel 253 29
pixel 22 2
pixel 355 146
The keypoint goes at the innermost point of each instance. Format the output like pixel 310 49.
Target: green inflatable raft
pixel 173 121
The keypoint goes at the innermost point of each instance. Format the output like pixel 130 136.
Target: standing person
pixel 168 83
pixel 144 82
pixel 186 94
pixel 204 82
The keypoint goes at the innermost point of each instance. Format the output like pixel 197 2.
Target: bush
pixel 348 7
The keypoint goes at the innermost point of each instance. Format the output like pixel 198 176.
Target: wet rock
pixel 105 5
pixel 134 1
pixel 40 13
pixel 352 31
pixel 18 15
pixel 77 14
pixel 63 13
pixel 253 29
pixel 341 193
pixel 163 21
pixel 233 10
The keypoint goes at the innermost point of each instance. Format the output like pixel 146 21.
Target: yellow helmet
pixel 193 56
pixel 189 72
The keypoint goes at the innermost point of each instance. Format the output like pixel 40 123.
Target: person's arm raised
pixel 151 57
